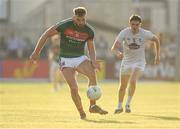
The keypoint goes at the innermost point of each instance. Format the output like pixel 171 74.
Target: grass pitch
pixel 34 105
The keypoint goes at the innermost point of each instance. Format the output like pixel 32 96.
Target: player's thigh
pixel 125 73
pixel 69 75
pixel 136 74
pixel 124 79
pixel 86 69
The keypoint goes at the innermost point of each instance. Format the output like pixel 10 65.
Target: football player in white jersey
pixel 132 39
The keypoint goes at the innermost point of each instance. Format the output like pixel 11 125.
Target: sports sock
pixel 92 102
pixel 119 105
pixel 80 110
pixel 129 100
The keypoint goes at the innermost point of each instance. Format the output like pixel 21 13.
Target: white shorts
pixel 71 62
pixel 129 68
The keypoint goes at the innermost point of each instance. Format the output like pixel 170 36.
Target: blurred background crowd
pixel 23 21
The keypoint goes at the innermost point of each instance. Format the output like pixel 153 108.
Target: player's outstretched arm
pixel 41 42
pixel 157 50
pixel 115 49
pixel 92 54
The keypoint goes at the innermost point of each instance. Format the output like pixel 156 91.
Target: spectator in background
pixel 16 46
pixel 54 69
pixel 149 47
pixel 3 48
pixel 170 49
pixel 102 48
pixel 28 47
pixel 12 46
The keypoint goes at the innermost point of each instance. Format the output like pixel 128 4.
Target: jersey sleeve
pixel 149 35
pixel 120 36
pixel 91 34
pixel 59 26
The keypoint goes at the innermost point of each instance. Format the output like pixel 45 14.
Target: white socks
pixel 127 103
pixel 92 106
pixel 129 100
pixel 119 105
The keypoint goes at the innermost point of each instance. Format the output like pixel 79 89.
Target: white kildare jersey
pixel 134 45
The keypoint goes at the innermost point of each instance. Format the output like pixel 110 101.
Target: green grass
pixel 33 105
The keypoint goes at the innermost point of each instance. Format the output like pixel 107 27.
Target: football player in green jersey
pixel 74 33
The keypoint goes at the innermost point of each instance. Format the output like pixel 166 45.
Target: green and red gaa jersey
pixel 73 38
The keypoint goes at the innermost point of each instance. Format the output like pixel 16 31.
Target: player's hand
pixel 34 58
pixel 157 60
pixel 96 64
pixel 119 55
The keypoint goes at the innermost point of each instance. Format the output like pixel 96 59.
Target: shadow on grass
pixel 159 117
pixel 109 121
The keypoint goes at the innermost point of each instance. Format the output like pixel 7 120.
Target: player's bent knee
pixel 91 72
pixel 133 81
pixel 91 75
pixel 122 88
pixel 92 78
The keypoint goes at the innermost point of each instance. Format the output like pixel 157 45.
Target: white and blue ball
pixel 94 92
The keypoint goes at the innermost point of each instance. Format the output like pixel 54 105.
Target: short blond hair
pixel 80 11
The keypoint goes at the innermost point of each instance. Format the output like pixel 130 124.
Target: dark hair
pixel 135 18
pixel 80 11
